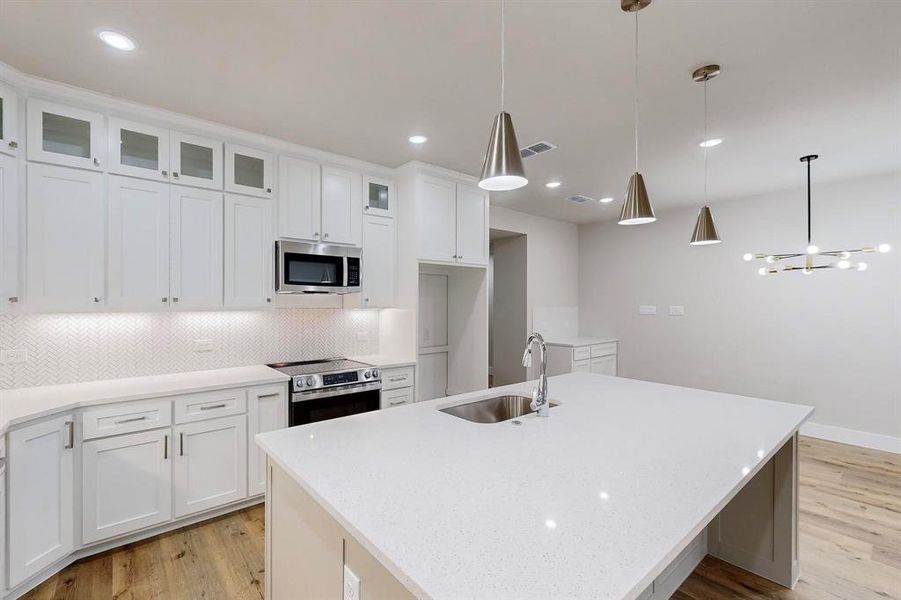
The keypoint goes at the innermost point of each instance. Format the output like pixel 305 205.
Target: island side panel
pixel 758 529
pixel 307 549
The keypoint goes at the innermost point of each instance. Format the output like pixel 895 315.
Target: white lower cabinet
pixel 604 365
pixel 126 484
pixel 398 397
pixel 267 410
pixel 582 366
pixel 41 491
pixel 209 464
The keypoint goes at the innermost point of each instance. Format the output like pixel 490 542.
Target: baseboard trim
pixel 865 439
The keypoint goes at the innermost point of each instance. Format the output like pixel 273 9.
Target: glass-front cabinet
pixel 9 134
pixel 248 171
pixel 378 197
pixel 196 161
pixel 65 135
pixel 138 150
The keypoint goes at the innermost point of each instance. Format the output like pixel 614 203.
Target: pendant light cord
pixel 636 92
pixel 503 43
pixel 706 79
pixel 808 202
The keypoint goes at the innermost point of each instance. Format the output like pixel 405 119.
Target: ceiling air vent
pixel 536 148
pixel 579 199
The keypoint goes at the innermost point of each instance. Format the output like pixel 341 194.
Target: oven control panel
pixel 335 378
pixel 340 378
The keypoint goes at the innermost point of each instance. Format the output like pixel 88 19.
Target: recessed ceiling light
pixel 606 200
pixel 116 40
pixel 418 139
pixel 710 143
pixel 552 184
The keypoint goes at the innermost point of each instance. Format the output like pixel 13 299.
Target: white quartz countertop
pixel 384 361
pixel 591 502
pixel 29 403
pixel 577 341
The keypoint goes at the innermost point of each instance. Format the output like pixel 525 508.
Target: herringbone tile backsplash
pixel 65 348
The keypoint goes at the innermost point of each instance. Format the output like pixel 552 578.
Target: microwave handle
pixel 346 265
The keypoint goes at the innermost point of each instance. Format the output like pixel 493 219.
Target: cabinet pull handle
pixel 14 145
pixel 96 162
pixel 212 406
pixel 96 298
pixel 396 402
pixel 70 435
pixel 165 173
pixel 175 299
pixel 403 378
pixel 166 447
pixel 175 174
pixel 164 299
pixel 131 420
pixel 13 299
pixel 460 257
pixel 181 444
pixel 325 236
pixel 315 234
pixel 272 395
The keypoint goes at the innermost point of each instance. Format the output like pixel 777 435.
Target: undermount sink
pixel 493 410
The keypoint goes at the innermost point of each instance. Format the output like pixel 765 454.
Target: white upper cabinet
pixel 378 197
pixel 248 171
pixel 9 120
pixel 138 238
pixel 66 136
pixel 299 199
pixel 379 262
pixel 9 232
pixel 195 160
pixel 472 225
pixel 41 490
pixel 436 202
pixel 138 150
pixel 342 206
pixel 126 484
pixel 65 238
pixel 249 252
pixel 195 235
pixel 267 410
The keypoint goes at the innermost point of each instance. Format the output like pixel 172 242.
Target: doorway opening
pixel 507 306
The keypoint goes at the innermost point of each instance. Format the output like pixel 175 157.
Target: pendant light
pixel 502 169
pixel 637 207
pixel 705 231
pixel 776 263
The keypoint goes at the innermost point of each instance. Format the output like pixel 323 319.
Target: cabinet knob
pixel 366 300
pixel 14 145
pixel 268 190
pixel 175 299
pixel 164 299
pixel 96 298
pixel 460 257
pixel 175 174
pixel 454 256
pixel 268 299
pixel 315 234
pixel 365 208
pixel 165 173
pixel 325 236
pixel 13 299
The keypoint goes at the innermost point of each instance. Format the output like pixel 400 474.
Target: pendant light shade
pixel 705 230
pixel 502 169
pixel 637 207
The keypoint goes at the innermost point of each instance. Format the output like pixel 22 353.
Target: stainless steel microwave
pixel 303 268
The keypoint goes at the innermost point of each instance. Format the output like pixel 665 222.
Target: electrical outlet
pixel 14 357
pixel 676 310
pixel 204 345
pixel 647 309
pixel 351 585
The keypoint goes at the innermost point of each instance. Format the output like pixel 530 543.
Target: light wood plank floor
pixel 850 530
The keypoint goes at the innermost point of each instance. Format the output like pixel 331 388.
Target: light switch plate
pixel 676 310
pixel 647 309
pixel 351 585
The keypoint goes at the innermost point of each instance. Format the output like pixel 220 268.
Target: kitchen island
pixel 618 494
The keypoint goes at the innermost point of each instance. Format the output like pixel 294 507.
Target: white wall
pixel 831 340
pixel 509 322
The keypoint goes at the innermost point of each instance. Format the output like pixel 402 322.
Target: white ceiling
pixel 358 78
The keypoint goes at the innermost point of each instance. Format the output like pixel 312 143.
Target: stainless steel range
pixel 331 388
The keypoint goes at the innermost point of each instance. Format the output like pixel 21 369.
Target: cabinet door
pixel 126 484
pixel 210 465
pixel 195 235
pixel 195 160
pixel 379 262
pixel 267 410
pixel 40 475
pixel 436 218
pixel 248 171
pixel 9 120
pixel 138 150
pixel 472 225
pixel 605 365
pixel 66 136
pixel 249 251
pixel 342 206
pixel 378 197
pixel 299 199
pixel 138 262
pixel 65 238
pixel 9 232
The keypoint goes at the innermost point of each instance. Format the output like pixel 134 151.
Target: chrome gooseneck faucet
pixel 539 395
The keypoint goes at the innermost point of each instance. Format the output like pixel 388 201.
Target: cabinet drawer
pixel 398 397
pixel 582 366
pixel 128 417
pixel 605 349
pixel 210 405
pixel 582 353
pixel 393 379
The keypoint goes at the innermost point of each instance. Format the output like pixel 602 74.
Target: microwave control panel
pixel 353 272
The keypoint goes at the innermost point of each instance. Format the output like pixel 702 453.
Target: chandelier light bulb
pixel 883 248
pixel 770 259
pixel 813 249
pixel 761 271
pixel 861 266
pixel 843 264
pixel 845 254
pixel 748 257
pixel 807 271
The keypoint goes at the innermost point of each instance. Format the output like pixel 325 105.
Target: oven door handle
pixel 336 391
